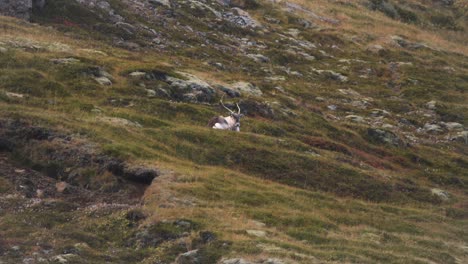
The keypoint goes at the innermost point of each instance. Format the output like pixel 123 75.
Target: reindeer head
pixel 236 116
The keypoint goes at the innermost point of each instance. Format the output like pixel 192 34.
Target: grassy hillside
pixel 353 148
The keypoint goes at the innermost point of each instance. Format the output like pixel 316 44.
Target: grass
pixel 320 188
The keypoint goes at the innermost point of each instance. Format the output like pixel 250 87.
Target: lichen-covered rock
pixel 384 136
pixel 192 89
pixel 246 88
pixel 16 8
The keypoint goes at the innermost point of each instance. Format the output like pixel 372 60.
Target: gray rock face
pixel 384 136
pixel 16 8
pixel 190 257
pixel 241 18
pixel 247 88
pixel 443 195
pixel 235 261
pixel 193 89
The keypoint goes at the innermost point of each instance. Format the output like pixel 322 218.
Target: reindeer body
pixel 225 123
pixel 231 122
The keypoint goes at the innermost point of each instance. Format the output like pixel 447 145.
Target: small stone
pixel 443 195
pixel 453 126
pixel 432 105
pixel 433 128
pixel 355 118
pixel 332 107
pixel 235 261
pixel 150 93
pixel 15 95
pixel 62 187
pixel 137 74
pixel 103 81
pixel 190 257
pixel 3 50
pixel 461 137
pixel 259 58
pixel 257 233
pixel 247 88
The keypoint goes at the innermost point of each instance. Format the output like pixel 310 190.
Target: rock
pixel 332 107
pixel 65 61
pixel 128 28
pixel 385 137
pixel 230 92
pixel 259 58
pixel 151 93
pixel 165 3
pixel 355 118
pixel 379 112
pixel 443 195
pixel 190 257
pixel 62 187
pixel 407 44
pixel 193 89
pixel 118 121
pixel 332 75
pixel 431 105
pixel 15 95
pixel 137 74
pixel 64 258
pixel 207 237
pixel 255 108
pixel 246 88
pixel 241 18
pixel 433 128
pixel 18 8
pixel 273 261
pixel 3 50
pixel 453 126
pixel 235 261
pixel 257 233
pixel 103 80
pixel 376 49
pixel 141 174
pixel 461 137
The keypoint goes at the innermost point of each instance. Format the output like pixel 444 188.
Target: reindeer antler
pixel 238 108
pixel 221 101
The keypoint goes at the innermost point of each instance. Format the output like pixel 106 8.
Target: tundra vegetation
pixel 353 147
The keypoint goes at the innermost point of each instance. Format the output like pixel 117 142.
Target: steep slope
pixel 353 148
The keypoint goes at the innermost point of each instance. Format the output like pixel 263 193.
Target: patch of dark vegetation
pixel 71 159
pixel 156 234
pixel 392 10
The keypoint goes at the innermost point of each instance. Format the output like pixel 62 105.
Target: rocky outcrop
pixel 16 8
pixel 20 8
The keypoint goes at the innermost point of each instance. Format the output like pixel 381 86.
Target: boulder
pixel 246 88
pixel 235 261
pixel 433 128
pixel 376 49
pixel 103 80
pixel 257 233
pixel 118 121
pixel 453 126
pixel 165 3
pixel 190 257
pixel 461 137
pixel 355 118
pixel 241 18
pixel 441 194
pixel 384 137
pixel 192 89
pixel 259 58
pixel 431 105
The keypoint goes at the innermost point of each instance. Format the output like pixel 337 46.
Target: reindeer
pixel 231 122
